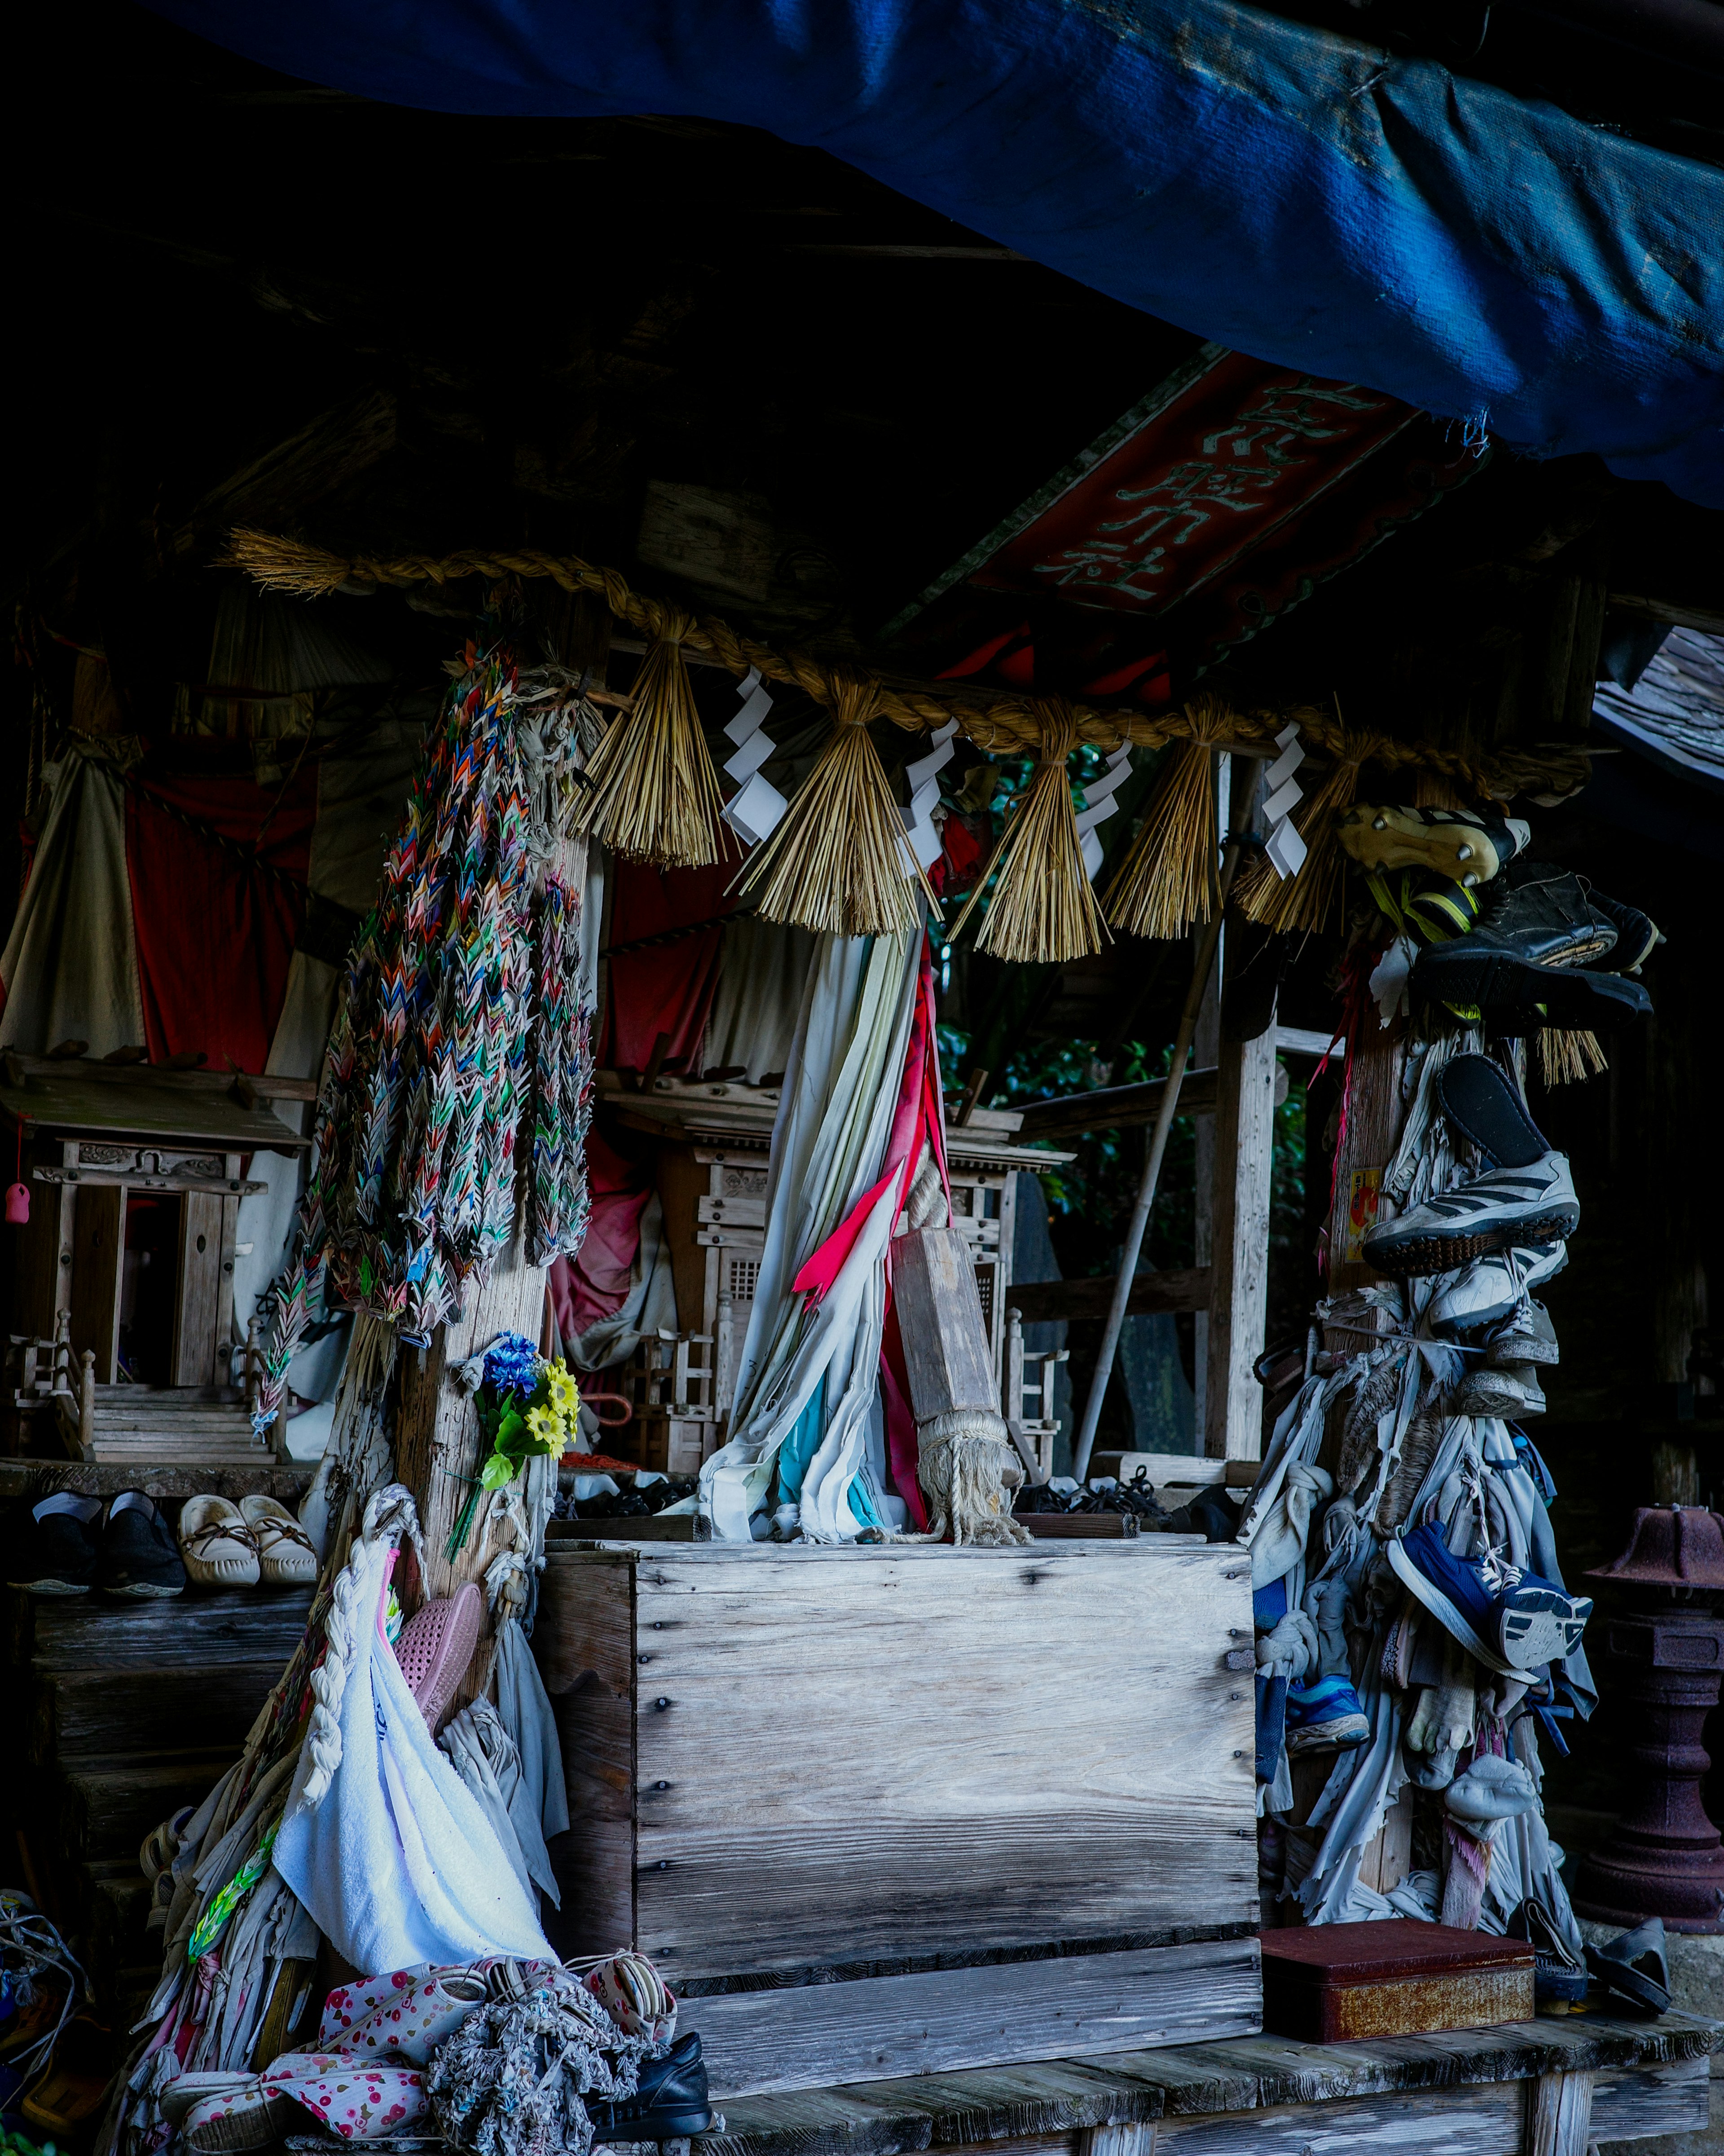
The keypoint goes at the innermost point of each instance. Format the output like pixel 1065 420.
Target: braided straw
pixel 838 863
pixel 1167 880
pixel 999 725
pixel 655 793
pixel 1043 909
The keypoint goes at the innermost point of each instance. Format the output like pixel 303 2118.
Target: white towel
pixel 398 1863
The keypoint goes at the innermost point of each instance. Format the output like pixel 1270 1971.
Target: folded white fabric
pixel 397 1860
pixel 1289 1650
pixel 1278 1542
pixel 1491 1790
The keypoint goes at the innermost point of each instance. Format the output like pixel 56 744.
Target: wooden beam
pixel 1115 1107
pixel 1048 1302
pixel 1239 1305
pixel 1708 619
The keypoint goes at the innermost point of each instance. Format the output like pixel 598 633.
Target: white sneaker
pixel 1490 1289
pixel 1495 1211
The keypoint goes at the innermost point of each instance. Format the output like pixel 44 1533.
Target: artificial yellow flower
pixel 565 1393
pixel 545 1427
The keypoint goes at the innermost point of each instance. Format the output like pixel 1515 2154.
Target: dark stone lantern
pixel 1665 1858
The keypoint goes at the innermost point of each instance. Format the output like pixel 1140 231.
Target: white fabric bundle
pixel 398 1861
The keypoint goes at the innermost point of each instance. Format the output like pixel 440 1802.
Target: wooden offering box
pixel 1398 1978
pixel 894 1809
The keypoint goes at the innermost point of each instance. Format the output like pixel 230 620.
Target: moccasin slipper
pixel 435 1647
pixel 219 1549
pixel 287 1556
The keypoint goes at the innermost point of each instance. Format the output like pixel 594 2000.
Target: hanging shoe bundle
pixel 1526 1199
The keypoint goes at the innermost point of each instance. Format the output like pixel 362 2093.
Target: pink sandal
pixel 435 1647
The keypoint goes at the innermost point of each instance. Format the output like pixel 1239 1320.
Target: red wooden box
pixel 1399 1978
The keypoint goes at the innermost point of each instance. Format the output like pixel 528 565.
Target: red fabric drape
pixel 669 988
pixel 214 931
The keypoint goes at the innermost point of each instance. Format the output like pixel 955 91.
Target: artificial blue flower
pixel 511 1364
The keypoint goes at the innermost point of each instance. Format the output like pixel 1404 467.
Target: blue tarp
pixel 1302 198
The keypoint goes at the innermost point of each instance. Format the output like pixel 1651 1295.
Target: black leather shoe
pixel 671 2104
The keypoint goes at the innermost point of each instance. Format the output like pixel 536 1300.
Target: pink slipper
pixel 435 1647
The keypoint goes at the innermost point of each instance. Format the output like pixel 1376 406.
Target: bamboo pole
pixel 1201 970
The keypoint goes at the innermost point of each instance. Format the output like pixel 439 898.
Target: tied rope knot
pixel 967 1464
pixel 855 700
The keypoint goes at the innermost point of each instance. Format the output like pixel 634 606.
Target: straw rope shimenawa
pixel 838 863
pixel 654 795
pixel 998 725
pixel 1167 880
pixel 1303 901
pixel 1043 909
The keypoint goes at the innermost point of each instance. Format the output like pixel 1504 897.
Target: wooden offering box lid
pixel 1327 1982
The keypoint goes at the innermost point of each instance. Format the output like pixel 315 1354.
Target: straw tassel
pixel 1568 1058
pixel 1167 883
pixel 838 863
pixel 1303 901
pixel 655 793
pixel 1043 909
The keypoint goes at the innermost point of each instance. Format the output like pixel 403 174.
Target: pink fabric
pixel 594 1283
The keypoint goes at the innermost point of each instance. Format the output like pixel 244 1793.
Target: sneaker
pixel 1465 846
pixel 1559 1980
pixel 1490 1289
pixel 1525 1336
pixel 1501 1210
pixel 1444 912
pixel 1486 1392
pixel 1508 1618
pixel 670 2103
pixel 138 1561
pixel 1325 1717
pixel 51 1546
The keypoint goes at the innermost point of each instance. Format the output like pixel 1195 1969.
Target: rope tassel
pixel 655 793
pixel 1304 900
pixel 1043 909
pixel 1165 884
pixel 838 863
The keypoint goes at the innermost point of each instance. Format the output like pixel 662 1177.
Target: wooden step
pixel 116 1905
pixel 110 1805
pixel 118 1714
pixel 194 1630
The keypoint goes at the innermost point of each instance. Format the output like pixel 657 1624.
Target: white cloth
pixel 525 1709
pixel 484 1755
pixel 69 969
pixel 829 1144
pixel 398 1863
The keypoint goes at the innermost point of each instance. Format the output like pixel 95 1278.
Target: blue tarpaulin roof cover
pixel 1303 197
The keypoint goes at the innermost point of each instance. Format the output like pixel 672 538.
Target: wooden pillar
pixel 98 1268
pixel 1559 2114
pixel 438 1448
pixel 1245 1126
pixel 1206 1051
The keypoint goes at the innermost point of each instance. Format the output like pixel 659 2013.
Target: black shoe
pixel 53 1552
pixel 139 1561
pixel 1637 935
pixel 1635 1967
pixel 1546 913
pixel 671 2103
